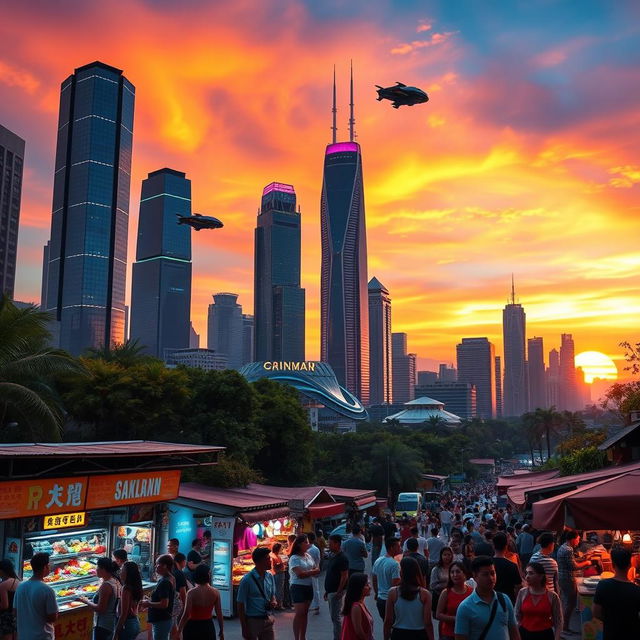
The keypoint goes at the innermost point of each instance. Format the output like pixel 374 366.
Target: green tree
pixel 28 369
pixel 549 421
pixel 126 354
pixel 582 461
pixel 401 463
pixel 287 453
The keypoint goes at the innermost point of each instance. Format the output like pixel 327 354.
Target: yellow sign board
pixel 63 520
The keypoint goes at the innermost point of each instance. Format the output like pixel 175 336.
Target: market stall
pixel 86 511
pixel 239 521
pixel 608 511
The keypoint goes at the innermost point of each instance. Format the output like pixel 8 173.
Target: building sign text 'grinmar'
pixel 289 366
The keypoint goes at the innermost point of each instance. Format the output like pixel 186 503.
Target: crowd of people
pixel 459 569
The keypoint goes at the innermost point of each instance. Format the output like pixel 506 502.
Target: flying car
pixel 400 94
pixel 197 221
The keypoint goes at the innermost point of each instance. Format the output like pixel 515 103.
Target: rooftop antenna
pixel 513 290
pixel 334 128
pixel 352 120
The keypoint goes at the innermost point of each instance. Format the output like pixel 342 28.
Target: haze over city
pixel 522 162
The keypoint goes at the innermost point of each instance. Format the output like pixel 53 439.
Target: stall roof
pixel 340 493
pixel 40 459
pixel 518 493
pixel 432 476
pixel 307 494
pixel 609 442
pixel 613 503
pixel 528 478
pixel 240 499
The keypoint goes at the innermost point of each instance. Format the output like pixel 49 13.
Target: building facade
pixel 248 333
pixel 553 379
pixel 279 301
pixel 514 390
pixel 380 351
pixel 344 325
pixel 161 285
pixel 536 374
pixel 426 377
pixel 11 169
pixel 459 398
pixel 206 359
pixel 447 373
pixel 476 366
pixel 568 388
pixel 499 400
pixel 404 370
pixel 224 335
pixel 87 254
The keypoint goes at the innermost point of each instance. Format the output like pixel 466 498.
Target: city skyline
pixel 424 167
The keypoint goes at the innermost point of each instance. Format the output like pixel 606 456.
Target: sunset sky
pixel 525 159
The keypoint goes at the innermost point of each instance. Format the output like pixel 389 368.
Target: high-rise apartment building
pixel 553 379
pixel 248 346
pixel 568 389
pixel 161 286
pixel 225 329
pixel 499 401
pixel 380 351
pixel 194 337
pixel 87 253
pixel 537 386
pixel 278 299
pixel 447 373
pixel 459 398
pixel 426 377
pixel 404 369
pixel 344 325
pixel 514 391
pixel 11 168
pixel 476 365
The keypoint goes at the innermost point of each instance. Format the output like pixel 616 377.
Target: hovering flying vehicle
pixel 400 94
pixel 197 221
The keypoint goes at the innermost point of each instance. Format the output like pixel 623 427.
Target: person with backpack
pixel 408 609
pixel 486 614
pixel 538 609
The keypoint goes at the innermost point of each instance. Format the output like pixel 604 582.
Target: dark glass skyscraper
pixel 515 391
pixel 380 350
pixel 535 374
pixel 278 299
pixel 476 365
pixel 11 165
pixel 161 287
pixel 344 327
pixel 87 257
pixel 225 328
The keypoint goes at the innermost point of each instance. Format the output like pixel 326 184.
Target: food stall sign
pixel 222 530
pixel 41 497
pixel 132 488
pixel 63 520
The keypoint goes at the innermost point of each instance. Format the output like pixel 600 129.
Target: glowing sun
pixel 596 365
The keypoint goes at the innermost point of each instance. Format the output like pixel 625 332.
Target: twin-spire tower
pixel 344 325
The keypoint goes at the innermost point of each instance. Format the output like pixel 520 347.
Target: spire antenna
pixel 513 290
pixel 334 110
pixel 352 120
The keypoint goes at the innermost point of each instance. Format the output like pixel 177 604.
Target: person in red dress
pixel 357 623
pixel 450 598
pixel 538 610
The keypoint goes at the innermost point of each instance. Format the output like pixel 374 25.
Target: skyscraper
pixel 161 287
pixel 11 165
pixel 499 405
pixel 224 335
pixel 87 258
pixel 537 390
pixel 278 298
pixel 553 379
pixel 380 352
pixel 404 369
pixel 514 392
pixel 248 333
pixel 568 396
pixel 447 373
pixel 344 326
pixel 459 398
pixel 426 377
pixel 476 365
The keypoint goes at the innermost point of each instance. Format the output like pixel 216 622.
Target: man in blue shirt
pixel 356 551
pixel 485 613
pixel 386 574
pixel 257 598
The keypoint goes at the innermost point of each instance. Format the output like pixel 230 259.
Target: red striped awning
pixel 325 509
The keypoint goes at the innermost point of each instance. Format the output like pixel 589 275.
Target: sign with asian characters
pixel 65 520
pixel 41 497
pixel 132 488
pixel 74 625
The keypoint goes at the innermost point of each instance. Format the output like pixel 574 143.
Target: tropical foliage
pixel 28 368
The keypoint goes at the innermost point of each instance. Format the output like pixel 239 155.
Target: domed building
pixel 423 410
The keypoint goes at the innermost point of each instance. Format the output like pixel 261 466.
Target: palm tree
pixel 28 370
pixel 125 354
pixel 534 438
pixel 548 422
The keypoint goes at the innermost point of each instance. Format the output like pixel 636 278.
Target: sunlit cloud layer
pixel 524 160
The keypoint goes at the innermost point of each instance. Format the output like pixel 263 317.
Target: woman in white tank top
pixel 408 613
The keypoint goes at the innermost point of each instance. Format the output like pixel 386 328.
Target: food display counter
pixel 138 541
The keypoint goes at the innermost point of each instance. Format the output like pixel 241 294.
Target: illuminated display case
pixel 72 557
pixel 137 541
